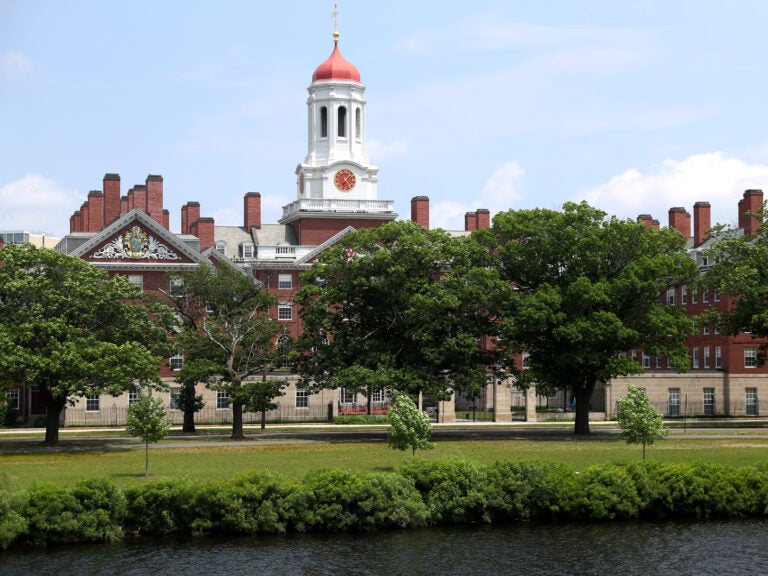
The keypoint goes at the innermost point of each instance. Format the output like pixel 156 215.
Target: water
pixel 626 549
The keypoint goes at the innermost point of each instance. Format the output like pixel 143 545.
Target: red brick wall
pixel 702 222
pixel 420 211
pixel 252 210
pixel 314 231
pixel 95 211
pixel 680 220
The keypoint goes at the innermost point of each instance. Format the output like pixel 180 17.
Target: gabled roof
pixel 335 239
pixel 135 240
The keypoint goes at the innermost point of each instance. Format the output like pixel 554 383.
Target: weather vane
pixel 335 25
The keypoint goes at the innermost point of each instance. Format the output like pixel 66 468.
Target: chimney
pixel 483 218
pixel 751 203
pixel 702 222
pixel 252 211
pixel 646 219
pixel 85 217
pixel 131 200
pixel 166 219
pixel 203 228
pixel 470 221
pixel 680 220
pixel 111 189
pixel 420 211
pixel 154 184
pixel 95 211
pixel 140 197
pixel 124 205
pixel 193 215
pixel 77 218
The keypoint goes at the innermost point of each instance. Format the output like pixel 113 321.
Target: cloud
pixel 501 191
pixel 16 65
pixel 37 199
pixel 710 177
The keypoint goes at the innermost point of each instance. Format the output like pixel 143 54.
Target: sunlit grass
pixel 125 466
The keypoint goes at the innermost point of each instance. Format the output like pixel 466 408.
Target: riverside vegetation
pixel 419 493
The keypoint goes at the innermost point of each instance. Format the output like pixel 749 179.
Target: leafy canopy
pixel 640 423
pixel 409 427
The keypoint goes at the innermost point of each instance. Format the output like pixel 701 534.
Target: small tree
pixel 639 421
pixel 260 396
pixel 146 420
pixel 410 427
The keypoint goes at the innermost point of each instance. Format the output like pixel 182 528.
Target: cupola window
pixel 358 127
pixel 323 122
pixel 342 131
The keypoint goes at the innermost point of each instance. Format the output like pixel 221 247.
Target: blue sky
pixel 635 106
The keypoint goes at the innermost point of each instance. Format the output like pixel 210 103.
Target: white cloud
pixel 501 191
pixel 16 65
pixel 710 177
pixel 37 204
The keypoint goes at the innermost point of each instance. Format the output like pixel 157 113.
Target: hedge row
pixel 421 493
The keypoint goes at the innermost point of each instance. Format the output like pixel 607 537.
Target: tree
pixel 187 399
pixel 260 397
pixel 146 420
pixel 588 290
pixel 640 423
pixel 226 332
pixel 410 427
pixel 70 331
pixel 399 307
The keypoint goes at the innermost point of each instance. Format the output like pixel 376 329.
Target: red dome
pixel 336 68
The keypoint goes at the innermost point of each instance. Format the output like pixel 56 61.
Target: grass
pixel 125 466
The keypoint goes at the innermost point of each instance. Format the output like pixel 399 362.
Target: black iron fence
pixel 701 409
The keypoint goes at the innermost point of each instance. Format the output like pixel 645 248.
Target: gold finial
pixel 335 25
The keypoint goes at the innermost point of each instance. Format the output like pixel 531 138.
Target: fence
pixel 701 409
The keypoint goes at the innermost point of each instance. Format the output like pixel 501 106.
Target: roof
pixel 336 67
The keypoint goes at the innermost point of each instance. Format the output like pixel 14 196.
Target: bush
pixel 606 492
pixel 361 419
pixel 13 526
pixel 156 507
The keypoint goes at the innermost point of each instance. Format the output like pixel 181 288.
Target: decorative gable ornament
pixel 136 244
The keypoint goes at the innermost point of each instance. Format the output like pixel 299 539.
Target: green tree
pixel 146 420
pixel 400 307
pixel 69 331
pixel 187 399
pixel 640 423
pixel 409 426
pixel 588 290
pixel 260 397
pixel 740 274
pixel 226 333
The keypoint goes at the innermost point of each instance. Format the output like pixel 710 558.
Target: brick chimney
pixel 203 228
pixel 420 211
pixel 124 205
pixel 680 220
pixel 85 217
pixel 76 222
pixel 154 186
pixel 751 203
pixel 190 213
pixel 470 221
pixel 646 219
pixel 702 222
pixel 252 211
pixel 131 200
pixel 166 219
pixel 111 187
pixel 140 197
pixel 95 211
pixel 483 218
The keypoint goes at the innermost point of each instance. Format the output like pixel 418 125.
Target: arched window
pixel 283 346
pixel 342 132
pixel 358 125
pixel 323 122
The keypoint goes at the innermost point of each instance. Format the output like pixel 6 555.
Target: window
pixel 176 287
pixel 302 398
pixel 706 357
pixel 247 250
pixel 285 281
pixel 133 396
pixel 705 330
pixel 674 401
pixel 709 401
pixel 716 296
pixel 137 280
pixel 222 400
pixel 717 330
pixel 718 357
pixel 750 357
pixel 695 297
pixel 751 401
pixel 695 357
pixel 14 398
pixel 671 296
pixel 323 122
pixel 377 395
pixel 646 361
pixel 342 127
pixel 348 397
pixel 173 404
pixel 284 312
pixel 526 360
pixel 221 246
pixel 683 294
pixel 283 346
pixel 705 296
pixel 92 403
pixel 176 362
pixel 658 361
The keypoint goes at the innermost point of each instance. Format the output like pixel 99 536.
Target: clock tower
pixel 336 177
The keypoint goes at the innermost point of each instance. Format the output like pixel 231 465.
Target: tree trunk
pixel 263 419
pixel 583 396
pixel 53 407
pixel 189 422
pixel 237 421
pixel 146 460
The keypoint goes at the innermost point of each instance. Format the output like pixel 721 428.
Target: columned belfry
pixel 336 178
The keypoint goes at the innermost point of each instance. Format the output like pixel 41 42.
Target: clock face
pixel 301 182
pixel 345 180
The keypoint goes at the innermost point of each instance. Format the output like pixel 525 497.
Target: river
pixel 625 549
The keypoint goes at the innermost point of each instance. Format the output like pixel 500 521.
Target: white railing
pixel 339 205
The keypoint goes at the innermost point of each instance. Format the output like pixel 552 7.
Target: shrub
pixel 13 526
pixel 362 419
pixel 606 492
pixel 103 509
pixel 156 507
pixel 51 512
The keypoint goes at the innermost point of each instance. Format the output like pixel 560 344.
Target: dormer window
pixel 221 246
pixel 247 250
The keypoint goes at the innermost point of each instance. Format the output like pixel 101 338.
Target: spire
pixel 335 24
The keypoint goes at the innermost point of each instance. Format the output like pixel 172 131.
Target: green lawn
pixel 126 466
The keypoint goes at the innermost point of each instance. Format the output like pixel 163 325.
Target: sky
pixel 635 106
